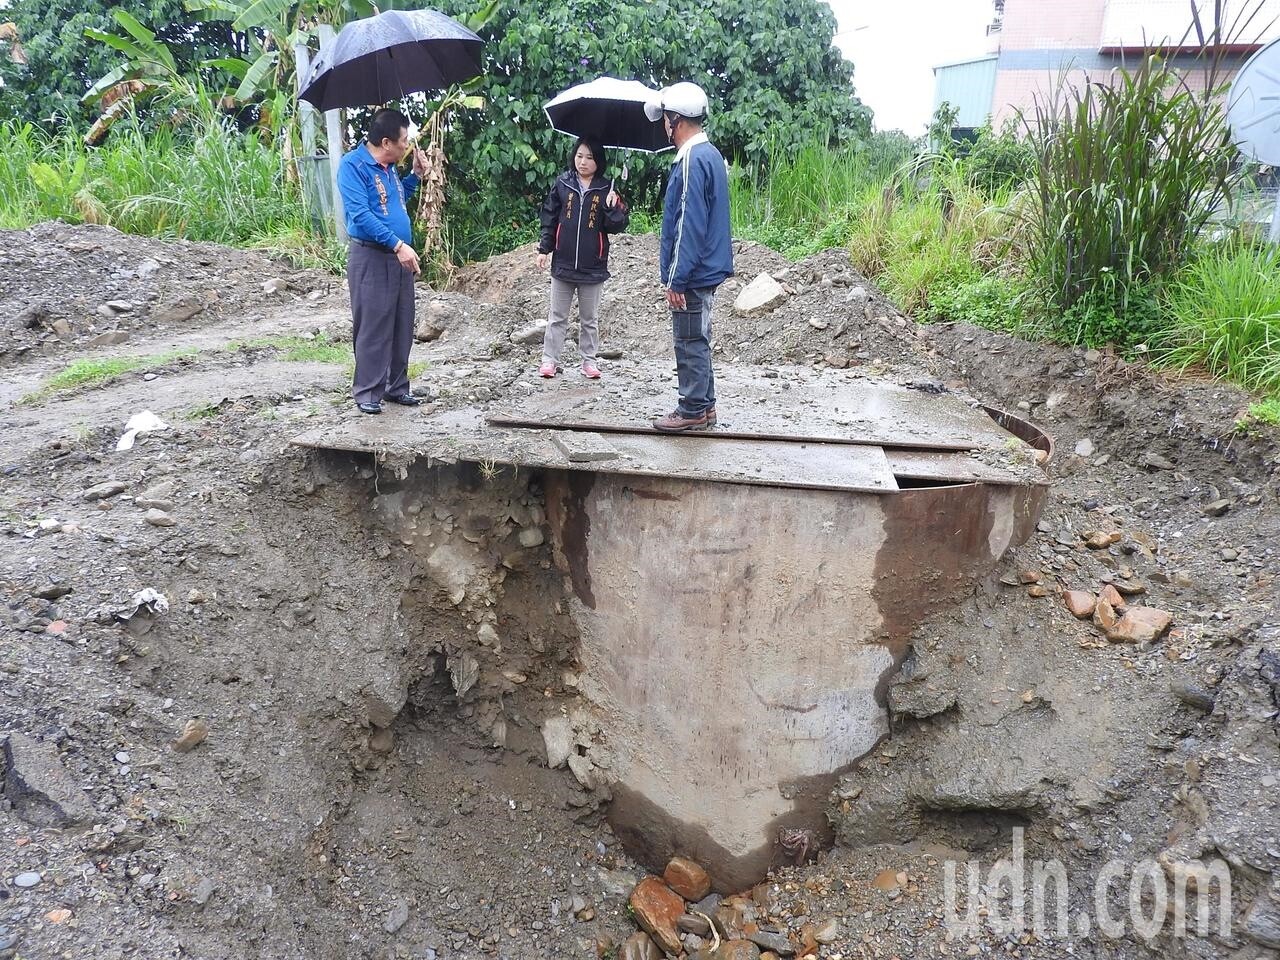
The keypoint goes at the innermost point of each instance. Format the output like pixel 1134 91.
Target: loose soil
pixel 374 783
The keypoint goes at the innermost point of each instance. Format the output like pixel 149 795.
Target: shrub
pixel 1126 176
pixel 997 162
pixel 927 232
pixel 992 301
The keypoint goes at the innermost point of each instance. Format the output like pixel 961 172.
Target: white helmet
pixel 685 98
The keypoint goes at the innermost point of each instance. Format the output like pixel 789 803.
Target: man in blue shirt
pixel 381 262
pixel 696 251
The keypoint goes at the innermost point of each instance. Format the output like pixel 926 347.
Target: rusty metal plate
pixel 461 436
pixel 797 404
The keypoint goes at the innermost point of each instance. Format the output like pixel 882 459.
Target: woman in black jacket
pixel 580 211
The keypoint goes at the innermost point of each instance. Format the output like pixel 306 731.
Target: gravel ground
pixel 358 769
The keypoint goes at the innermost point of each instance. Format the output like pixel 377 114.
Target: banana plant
pixel 150 69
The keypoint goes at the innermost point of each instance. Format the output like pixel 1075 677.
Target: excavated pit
pixel 742 598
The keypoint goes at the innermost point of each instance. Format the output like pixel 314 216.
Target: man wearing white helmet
pixel 696 250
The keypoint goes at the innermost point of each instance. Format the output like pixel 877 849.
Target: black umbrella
pixel 608 110
pixel 385 57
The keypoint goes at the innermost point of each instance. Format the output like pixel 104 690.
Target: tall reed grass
pixel 1127 174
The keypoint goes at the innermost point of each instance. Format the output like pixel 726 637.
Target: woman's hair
pixel 597 152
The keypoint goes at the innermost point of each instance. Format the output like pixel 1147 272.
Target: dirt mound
pixel 829 313
pixel 75 287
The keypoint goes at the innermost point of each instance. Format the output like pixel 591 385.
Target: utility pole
pixel 333 131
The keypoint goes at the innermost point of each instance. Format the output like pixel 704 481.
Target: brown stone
pixel 657 908
pixel 1039 590
pixel 1080 603
pixel 178 312
pixel 1030 576
pixel 767 897
pixel 886 880
pixel 639 946
pixel 808 941
pixel 1140 625
pixel 730 919
pixel 828 932
pixel 1130 588
pixel 687 879
pixel 425 331
pixel 193 734
pixel 738 950
pixel 1098 540
pixel 1112 596
pixel 1104 615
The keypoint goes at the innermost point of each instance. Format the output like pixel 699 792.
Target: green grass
pixel 807 201
pixel 294 349
pixel 1223 316
pixel 202 411
pixel 199 183
pixel 302 350
pixel 1266 411
pixel 928 234
pixel 81 374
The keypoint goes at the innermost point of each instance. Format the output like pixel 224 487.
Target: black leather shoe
pixel 370 407
pixel 405 400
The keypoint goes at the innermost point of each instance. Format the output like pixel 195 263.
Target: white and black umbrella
pixel 610 111
pixel 388 56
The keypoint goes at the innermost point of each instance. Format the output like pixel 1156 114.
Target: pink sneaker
pixel 590 370
pixel 548 369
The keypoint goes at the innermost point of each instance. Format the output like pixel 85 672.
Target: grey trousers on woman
pixel 382 322
pixel 558 323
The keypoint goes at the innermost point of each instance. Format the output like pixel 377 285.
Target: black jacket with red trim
pixel 575 228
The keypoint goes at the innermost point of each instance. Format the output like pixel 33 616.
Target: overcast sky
pixel 895 45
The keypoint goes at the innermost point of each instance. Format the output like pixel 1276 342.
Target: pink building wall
pixel 1046 43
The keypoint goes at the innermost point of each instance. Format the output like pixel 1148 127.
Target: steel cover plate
pixel 803 405
pixel 722 460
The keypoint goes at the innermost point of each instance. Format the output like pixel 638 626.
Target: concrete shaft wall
pixel 736 641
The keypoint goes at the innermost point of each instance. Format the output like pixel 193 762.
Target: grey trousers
pixel 691 331
pixel 588 319
pixel 382 323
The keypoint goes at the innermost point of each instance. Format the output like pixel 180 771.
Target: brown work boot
pixel 676 422
pixel 711 416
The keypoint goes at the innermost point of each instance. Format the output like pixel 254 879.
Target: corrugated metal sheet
pixel 968 87
pixel 1131 23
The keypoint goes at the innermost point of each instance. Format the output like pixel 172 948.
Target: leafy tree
pixel 63 63
pixel 768 66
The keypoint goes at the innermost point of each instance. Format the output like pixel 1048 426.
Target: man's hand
pixel 419 162
pixel 408 258
pixel 675 300
pixel 543 260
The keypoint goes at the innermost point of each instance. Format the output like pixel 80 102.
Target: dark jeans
pixel 382 322
pixel 691 330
